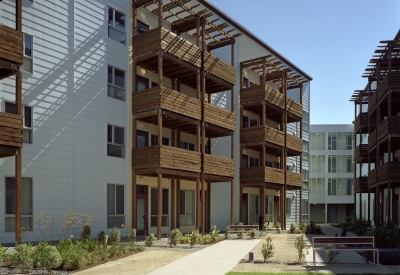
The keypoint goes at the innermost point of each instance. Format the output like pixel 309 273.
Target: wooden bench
pixel 320 243
pixel 245 228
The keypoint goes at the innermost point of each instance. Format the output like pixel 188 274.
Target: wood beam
pixel 140 3
pixel 215 45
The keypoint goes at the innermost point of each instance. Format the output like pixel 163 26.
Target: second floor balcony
pixel 361 153
pixel 390 81
pixel 219 166
pixel 294 179
pixel 10 133
pixel 250 175
pixel 11 46
pixel 361 184
pixel 390 125
pixel 361 123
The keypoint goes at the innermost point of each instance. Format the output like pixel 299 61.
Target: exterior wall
pixel 320 204
pixel 68 159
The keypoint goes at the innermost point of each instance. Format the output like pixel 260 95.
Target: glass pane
pixel 119 135
pixel 109 133
pixel 27 223
pixel 140 213
pixel 115 221
pixel 27 196
pixel 28 45
pixel 153 202
pixel 119 21
pixel 153 221
pixel 10 195
pixel 140 141
pixel 182 202
pixel 119 78
pixel 109 75
pixel 116 35
pixel 165 221
pixel 110 199
pixel 28 116
pixel 27 65
pixel 187 220
pixel 110 16
pixel 190 202
pixel 165 200
pixel 120 200
pixel 10 224
pixel 116 150
pixel 10 108
pixel 116 93
pixel 140 86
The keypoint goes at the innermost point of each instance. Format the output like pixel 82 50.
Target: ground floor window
pixel 165 207
pixel 27 204
pixel 115 205
pixel 253 209
pixel 187 206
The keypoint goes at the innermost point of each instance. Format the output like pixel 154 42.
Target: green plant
pixel 174 237
pixel 73 256
pixel 194 238
pixel 206 239
pixel 3 255
pixel 46 256
pixel 292 229
pixel 239 223
pixel 86 232
pixel 240 234
pixel 115 235
pixel 70 220
pixel 214 234
pixel 267 249
pixel 89 244
pixel 227 232
pixel 302 247
pixel 149 240
pixel 278 228
pixel 332 253
pixel 252 234
pixel 303 227
pixel 132 240
pixel 22 257
pixel 313 228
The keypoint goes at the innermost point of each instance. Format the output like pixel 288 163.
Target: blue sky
pixel 331 40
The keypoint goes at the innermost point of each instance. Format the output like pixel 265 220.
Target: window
pixel 165 206
pixel 142 27
pixel 27 66
pixel 187 208
pixel 154 140
pixel 245 161
pixel 340 141
pixel 142 139
pixel 254 162
pixel 115 141
pixel 340 187
pixel 317 164
pixel 317 187
pixel 245 121
pixel 254 122
pixel 115 205
pixel 27 204
pixel 288 207
pixel 142 83
pixel 27 114
pixel 245 83
pixel 116 25
pixel 187 145
pixel 116 83
pixel 304 207
pixel 317 141
pixel 305 146
pixel 305 174
pixel 340 164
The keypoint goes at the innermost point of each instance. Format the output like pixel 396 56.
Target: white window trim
pixel 23 118
pixel 113 23
pixel 27 56
pixel 115 201
pixel 112 137
pixel 113 82
pixel 194 204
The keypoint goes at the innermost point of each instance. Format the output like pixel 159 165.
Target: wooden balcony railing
pixel 361 121
pixel 372 102
pixel 11 46
pixel 361 184
pixel 294 179
pixel 220 166
pixel 361 151
pixel 391 125
pixel 161 38
pixel 167 157
pixel 372 139
pixel 389 171
pixel 219 117
pixel 261 93
pixel 10 130
pixel 294 143
pixel 294 108
pixel 372 177
pixel 167 99
pixel 390 81
pixel 260 133
pixel 261 174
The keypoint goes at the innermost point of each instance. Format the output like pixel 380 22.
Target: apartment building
pixel 135 117
pixel 331 173
pixel 376 126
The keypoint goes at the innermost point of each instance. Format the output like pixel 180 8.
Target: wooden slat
pixel 294 143
pixel 216 165
pixel 11 44
pixel 260 133
pixel 219 117
pixel 10 130
pixel 294 108
pixel 294 179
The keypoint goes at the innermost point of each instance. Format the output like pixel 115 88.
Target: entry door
pixel 253 209
pixel 142 209
pixel 276 208
pixel 332 209
pixel 243 216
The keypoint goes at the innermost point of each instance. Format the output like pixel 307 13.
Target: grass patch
pixel 291 273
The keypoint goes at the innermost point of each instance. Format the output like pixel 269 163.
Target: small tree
pixel 267 249
pixel 278 228
pixel 174 237
pixel 332 254
pixel 292 229
pixel 302 247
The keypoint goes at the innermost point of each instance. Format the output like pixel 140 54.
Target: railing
pixel 389 170
pixel 274 175
pixel 167 157
pixel 294 179
pixel 361 184
pixel 10 130
pixel 260 133
pixel 372 101
pixel 11 46
pixel 294 108
pixel 361 121
pixel 261 174
pixel 161 38
pixel 372 139
pixel 294 143
pixel 361 151
pixel 258 94
pixel 372 177
pixel 389 125
pixel 220 166
pixel 219 117
pixel 167 99
pixel 390 81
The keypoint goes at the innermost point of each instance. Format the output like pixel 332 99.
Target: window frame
pixel 113 83
pixel 187 146
pixel 115 215
pixel 165 212
pixel 27 56
pixel 113 140
pixel 140 24
pixel 155 138
pixel 113 24
pixel 26 129
pixel 185 207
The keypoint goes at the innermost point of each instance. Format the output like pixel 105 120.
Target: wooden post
pixel 198 208
pixel 284 76
pixel 301 205
pixel 203 129
pixel 241 203
pixel 262 205
pixel 232 201
pixel 355 203
pixel 173 204
pixel 208 200
pixel 159 186
pixel 233 140
pixel 360 204
pixel 369 205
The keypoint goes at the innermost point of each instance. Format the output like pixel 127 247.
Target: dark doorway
pixel 142 209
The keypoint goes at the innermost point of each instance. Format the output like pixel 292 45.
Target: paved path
pixel 216 259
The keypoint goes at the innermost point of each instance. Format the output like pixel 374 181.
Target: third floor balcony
pixel 10 134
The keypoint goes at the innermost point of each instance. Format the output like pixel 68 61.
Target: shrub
pixel 73 257
pixel 132 239
pixel 47 256
pixel 313 228
pixel 174 237
pixel 267 249
pixel 278 228
pixel 240 234
pixel 86 232
pixel 252 234
pixel 227 232
pixel 332 253
pixel 194 238
pixel 149 240
pixel 303 227
pixel 239 223
pixel 302 247
pixel 292 229
pixel 214 234
pixel 344 232
pixel 206 239
pixel 22 257
pixel 3 255
pixel 115 235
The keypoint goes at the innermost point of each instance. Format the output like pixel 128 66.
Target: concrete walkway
pixel 216 259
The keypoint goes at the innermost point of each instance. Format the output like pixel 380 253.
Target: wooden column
pixel 232 201
pixel 233 141
pixel 355 204
pixel 198 208
pixel 377 205
pixel 360 204
pixel 284 76
pixel 203 129
pixel 173 204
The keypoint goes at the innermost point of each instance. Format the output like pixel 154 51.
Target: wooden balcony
pixel 11 46
pixel 251 175
pixel 219 117
pixel 389 171
pixel 294 109
pixel 294 144
pixel 258 94
pixel 391 125
pixel 390 81
pixel 372 140
pixel 361 123
pixel 372 177
pixel 372 102
pixel 166 157
pixel 361 185
pixel 215 165
pixel 161 38
pixel 294 179
pixel 10 134
pixel 262 133
pixel 361 153
pixel 167 99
